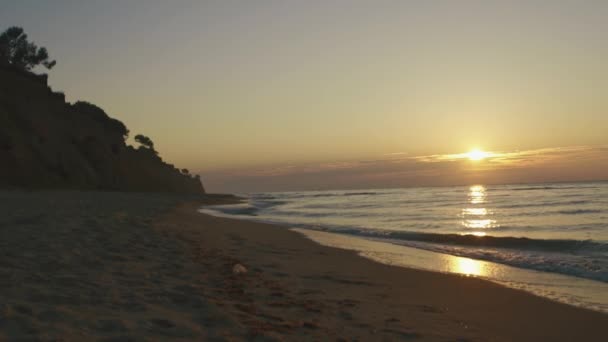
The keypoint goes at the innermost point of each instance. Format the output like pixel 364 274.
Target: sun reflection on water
pixel 480 234
pixel 477 194
pixel 475 211
pixel 478 224
pixel 476 217
pixel 468 267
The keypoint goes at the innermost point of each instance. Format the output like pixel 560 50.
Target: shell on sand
pixel 239 269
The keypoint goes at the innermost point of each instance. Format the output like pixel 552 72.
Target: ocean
pixel 550 239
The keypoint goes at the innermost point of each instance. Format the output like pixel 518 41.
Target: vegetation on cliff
pixel 16 50
pixel 46 142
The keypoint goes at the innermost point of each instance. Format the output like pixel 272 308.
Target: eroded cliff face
pixel 48 143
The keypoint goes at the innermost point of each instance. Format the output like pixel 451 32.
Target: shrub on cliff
pixel 145 142
pixel 17 51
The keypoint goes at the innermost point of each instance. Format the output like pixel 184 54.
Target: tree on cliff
pixel 98 114
pixel 145 142
pixel 17 51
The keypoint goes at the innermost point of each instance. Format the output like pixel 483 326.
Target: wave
pixel 589 266
pixel 360 193
pixel 579 258
pixel 521 243
pixel 236 210
pixel 579 211
pixel 432 218
pixel 551 212
pixel 543 204
pixel 296 195
pixel 345 194
pixel 343 206
pixel 266 204
pixel 532 188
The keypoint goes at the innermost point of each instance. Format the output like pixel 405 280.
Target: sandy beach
pixel 132 267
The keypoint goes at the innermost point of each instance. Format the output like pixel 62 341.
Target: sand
pixel 121 267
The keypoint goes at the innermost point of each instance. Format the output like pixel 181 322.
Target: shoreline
pixel 583 292
pixel 483 309
pixel 579 292
pixel 117 266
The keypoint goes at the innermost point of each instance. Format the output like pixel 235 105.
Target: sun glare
pixel 477 155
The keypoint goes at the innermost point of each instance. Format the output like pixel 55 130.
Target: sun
pixel 477 155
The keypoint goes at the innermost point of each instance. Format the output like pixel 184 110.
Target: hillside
pixel 48 143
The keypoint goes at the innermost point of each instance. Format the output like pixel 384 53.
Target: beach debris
pixel 238 269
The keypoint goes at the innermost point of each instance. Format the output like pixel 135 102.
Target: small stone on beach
pixel 239 269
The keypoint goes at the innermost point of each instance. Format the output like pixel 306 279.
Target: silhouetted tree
pixel 17 51
pixel 144 141
pixel 185 171
pixel 98 114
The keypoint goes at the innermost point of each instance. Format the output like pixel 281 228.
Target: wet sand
pixel 120 267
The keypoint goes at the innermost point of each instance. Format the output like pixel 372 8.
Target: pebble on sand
pixel 239 269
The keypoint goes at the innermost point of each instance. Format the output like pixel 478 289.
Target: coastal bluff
pixel 47 143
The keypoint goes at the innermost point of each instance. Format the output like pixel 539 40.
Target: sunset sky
pixel 291 95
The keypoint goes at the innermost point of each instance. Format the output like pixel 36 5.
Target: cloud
pixel 573 163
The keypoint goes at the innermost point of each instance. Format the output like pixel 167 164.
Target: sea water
pixel 550 239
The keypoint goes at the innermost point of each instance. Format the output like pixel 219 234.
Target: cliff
pixel 48 143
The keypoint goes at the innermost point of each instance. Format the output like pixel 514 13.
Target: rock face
pixel 48 143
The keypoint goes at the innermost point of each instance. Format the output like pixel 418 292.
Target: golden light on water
pixel 478 224
pixel 473 268
pixel 468 267
pixel 477 194
pixel 475 211
pixel 476 217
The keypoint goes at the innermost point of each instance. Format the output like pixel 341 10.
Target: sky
pixel 300 95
